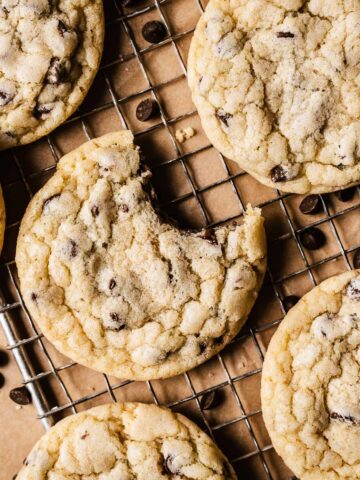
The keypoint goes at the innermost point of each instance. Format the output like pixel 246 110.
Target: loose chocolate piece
pixel 95 211
pixel 57 72
pixel 223 116
pixel 154 31
pixel 20 395
pixel 290 301
pixel 2 380
pixel 310 205
pixel 40 111
pixel 344 418
pixel 312 238
pixel 278 174
pixel 346 195
pixel 209 400
pixel 5 98
pixel 285 35
pixel 112 284
pixel 62 28
pixel 4 358
pixel 356 259
pixel 146 110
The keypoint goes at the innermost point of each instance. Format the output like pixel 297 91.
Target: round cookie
pixel 128 441
pixel 310 382
pixel 119 289
pixel 276 84
pixel 50 51
pixel 2 219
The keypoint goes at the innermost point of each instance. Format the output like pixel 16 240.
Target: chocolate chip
pixel 202 347
pixel 312 238
pixel 344 418
pixel 154 31
pixel 278 174
pixel 4 358
pixel 5 97
pixel 84 435
pixel 146 110
pixel 223 116
pixel 285 35
pixel 115 317
pixel 356 259
pixel 20 395
pixel 290 301
pixel 50 199
pixel 33 297
pixel 353 290
pixel 209 400
pixel 95 211
pixel 40 111
pixel 124 208
pixel 73 249
pixel 62 28
pixel 346 195
pixel 311 205
pixel 169 467
pixel 112 284
pixel 57 72
pixel 2 380
pixel 209 234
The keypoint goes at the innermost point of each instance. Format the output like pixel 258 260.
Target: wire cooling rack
pixel 199 187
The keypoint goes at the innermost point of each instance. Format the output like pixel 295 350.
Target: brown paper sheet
pixel 236 423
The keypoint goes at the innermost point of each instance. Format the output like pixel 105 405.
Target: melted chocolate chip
pixel 154 31
pixel 356 259
pixel 95 211
pixel 20 395
pixel 278 174
pixel 311 205
pixel 112 284
pixel 209 400
pixel 50 199
pixel 209 234
pixel 40 111
pixel 290 301
pixel 346 195
pixel 223 116
pixel 115 317
pixel 124 208
pixel 146 110
pixel 169 467
pixel 57 72
pixel 202 347
pixel 33 297
pixel 353 290
pixel 73 249
pixel 285 35
pixel 62 28
pixel 312 238
pixel 5 97
pixel 345 418
pixel 85 435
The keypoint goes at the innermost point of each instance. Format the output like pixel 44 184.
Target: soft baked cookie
pixel 50 51
pixel 116 287
pixel 128 441
pixel 276 83
pixel 311 382
pixel 2 219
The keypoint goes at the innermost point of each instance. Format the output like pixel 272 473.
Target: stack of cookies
pixel 119 288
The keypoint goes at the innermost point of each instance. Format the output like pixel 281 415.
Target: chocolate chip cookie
pixel 118 288
pixel 276 84
pixel 126 441
pixel 310 383
pixel 49 54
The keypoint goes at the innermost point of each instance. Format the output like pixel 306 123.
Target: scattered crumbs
pixel 184 134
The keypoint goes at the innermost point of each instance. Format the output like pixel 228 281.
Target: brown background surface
pixel 196 186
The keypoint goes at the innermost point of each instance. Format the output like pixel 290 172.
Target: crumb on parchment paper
pixel 184 134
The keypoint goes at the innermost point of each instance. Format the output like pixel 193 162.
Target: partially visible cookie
pixel 50 51
pixel 129 441
pixel 119 289
pixel 276 84
pixel 2 219
pixel 311 382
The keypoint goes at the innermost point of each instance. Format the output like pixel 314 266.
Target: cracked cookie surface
pixel 277 87
pixel 129 441
pixel 117 288
pixel 310 382
pixel 50 51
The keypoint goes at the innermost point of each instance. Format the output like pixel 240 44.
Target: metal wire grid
pixel 45 414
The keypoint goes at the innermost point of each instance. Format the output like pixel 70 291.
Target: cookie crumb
pixel 184 134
